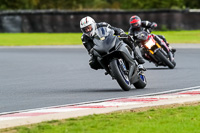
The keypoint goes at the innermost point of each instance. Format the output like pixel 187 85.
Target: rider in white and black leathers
pixel 136 25
pixel 88 27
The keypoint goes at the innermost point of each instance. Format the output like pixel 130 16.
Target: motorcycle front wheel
pixel 120 75
pixel 165 60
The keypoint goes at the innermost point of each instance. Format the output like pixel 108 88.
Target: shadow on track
pixel 103 90
pixel 163 68
pixel 99 90
pixel 89 90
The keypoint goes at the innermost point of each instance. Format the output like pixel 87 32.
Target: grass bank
pixel 180 36
pixel 30 39
pixel 184 119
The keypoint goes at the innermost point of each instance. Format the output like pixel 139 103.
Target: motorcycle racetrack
pixel 40 77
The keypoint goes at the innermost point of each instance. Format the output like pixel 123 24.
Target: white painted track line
pixel 10 119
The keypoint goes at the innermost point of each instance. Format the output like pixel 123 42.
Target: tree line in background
pixel 98 4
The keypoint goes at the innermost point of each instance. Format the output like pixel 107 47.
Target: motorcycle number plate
pixel 150 44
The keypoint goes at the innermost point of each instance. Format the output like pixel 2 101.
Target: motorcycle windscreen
pixel 102 32
pixel 104 41
pixel 142 35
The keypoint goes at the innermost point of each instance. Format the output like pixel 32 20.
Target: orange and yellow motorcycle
pixel 154 52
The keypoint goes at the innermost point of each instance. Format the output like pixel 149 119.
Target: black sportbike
pixel 116 57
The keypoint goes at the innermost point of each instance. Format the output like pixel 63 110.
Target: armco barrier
pixel 68 21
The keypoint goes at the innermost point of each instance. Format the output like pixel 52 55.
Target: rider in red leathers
pixel 136 25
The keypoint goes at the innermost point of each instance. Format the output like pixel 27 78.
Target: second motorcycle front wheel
pixel 165 59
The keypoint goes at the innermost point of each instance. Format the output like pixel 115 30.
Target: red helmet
pixel 135 22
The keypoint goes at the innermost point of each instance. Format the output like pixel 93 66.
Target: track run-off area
pixel 57 77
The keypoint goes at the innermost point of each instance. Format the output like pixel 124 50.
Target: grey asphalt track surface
pixel 41 77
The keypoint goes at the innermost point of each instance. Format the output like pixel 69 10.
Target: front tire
pixel 160 55
pixel 120 75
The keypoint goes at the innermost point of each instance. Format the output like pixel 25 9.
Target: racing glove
pixel 153 25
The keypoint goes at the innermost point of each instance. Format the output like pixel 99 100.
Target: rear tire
pixel 164 59
pixel 141 84
pixel 119 75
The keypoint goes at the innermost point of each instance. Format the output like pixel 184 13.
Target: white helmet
pixel 85 22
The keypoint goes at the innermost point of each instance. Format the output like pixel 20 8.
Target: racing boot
pixel 173 50
pixel 141 68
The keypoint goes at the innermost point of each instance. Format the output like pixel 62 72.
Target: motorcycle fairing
pixel 105 46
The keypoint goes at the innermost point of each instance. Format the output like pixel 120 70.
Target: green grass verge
pixel 30 39
pixel 180 36
pixel 185 119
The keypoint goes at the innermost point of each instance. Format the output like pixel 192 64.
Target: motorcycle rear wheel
pixel 141 83
pixel 119 75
